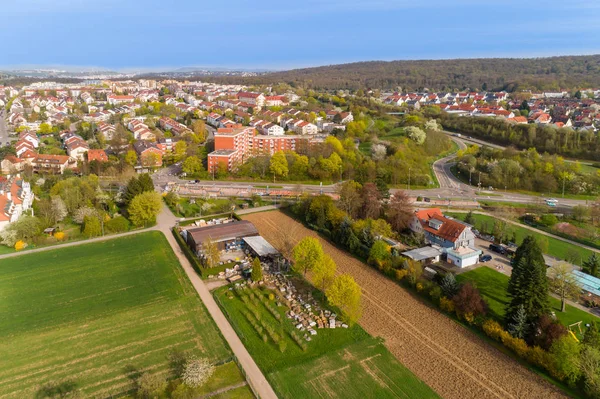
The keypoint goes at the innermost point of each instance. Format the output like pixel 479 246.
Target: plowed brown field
pixel 448 357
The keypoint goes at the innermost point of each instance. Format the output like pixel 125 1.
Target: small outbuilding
pixel 260 247
pixel 425 254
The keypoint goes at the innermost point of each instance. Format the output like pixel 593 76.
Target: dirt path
pixel 448 357
pixel 255 377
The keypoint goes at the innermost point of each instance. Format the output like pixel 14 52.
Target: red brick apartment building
pixel 233 146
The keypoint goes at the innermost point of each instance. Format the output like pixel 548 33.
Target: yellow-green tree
pixel 345 294
pixel 279 165
pixel 144 208
pixel 179 150
pixel 211 253
pixel 131 158
pixel 307 253
pixel 324 273
pixel 257 274
pixel 192 165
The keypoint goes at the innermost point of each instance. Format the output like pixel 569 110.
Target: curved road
pixel 450 186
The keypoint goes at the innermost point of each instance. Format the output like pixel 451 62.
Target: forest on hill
pixel 511 74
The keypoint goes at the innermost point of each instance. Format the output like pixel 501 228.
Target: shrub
pixel 550 331
pixel 117 224
pixel 468 303
pixel 419 287
pixel 492 329
pixel 19 245
pixel 435 294
pixel 60 235
pixel 517 345
pixel 446 304
pixel 271 297
pixel 539 357
pixel 400 274
pixel 282 346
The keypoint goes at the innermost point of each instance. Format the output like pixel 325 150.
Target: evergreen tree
pixel 146 182
pixel 469 219
pixel 592 265
pixel 134 188
pixel 257 274
pixel 519 327
pixel 528 284
pixel 449 285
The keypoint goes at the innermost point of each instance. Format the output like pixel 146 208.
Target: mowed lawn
pixel 492 285
pixel 556 248
pixel 338 363
pixel 97 313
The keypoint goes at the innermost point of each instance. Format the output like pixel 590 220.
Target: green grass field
pixel 338 363
pixel 493 284
pixel 97 312
pixel 556 248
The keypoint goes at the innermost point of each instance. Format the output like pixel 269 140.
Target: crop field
pixel 336 363
pixel 452 360
pixel 98 313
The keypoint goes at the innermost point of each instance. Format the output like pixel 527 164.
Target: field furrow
pixel 446 356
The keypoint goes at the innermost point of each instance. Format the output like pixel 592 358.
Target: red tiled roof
pixel 97 155
pixel 450 229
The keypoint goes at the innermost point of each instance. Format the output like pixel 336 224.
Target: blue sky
pixel 162 34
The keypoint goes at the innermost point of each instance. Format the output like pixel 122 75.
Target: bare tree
pixel 563 282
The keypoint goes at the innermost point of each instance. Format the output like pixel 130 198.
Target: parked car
pixel 485 258
pixel 497 248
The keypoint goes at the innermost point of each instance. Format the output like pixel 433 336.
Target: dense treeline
pixel 561 141
pixel 487 73
pixel 525 170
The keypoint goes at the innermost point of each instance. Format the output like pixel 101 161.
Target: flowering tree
pixel 197 372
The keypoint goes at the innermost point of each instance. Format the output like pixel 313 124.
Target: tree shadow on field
pixel 133 373
pixel 64 389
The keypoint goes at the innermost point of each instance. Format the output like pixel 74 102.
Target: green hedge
pixel 187 252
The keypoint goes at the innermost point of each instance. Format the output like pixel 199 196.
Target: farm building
pixel 224 235
pixel 425 254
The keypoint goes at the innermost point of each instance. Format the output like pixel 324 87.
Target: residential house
pixel 52 164
pixel 98 155
pixel 15 198
pixel 114 99
pixel 455 238
pixel 11 165
pixel 256 99
pixel 149 154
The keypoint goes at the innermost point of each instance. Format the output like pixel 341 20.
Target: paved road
pixel 450 186
pixel 4 138
pixel 165 221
